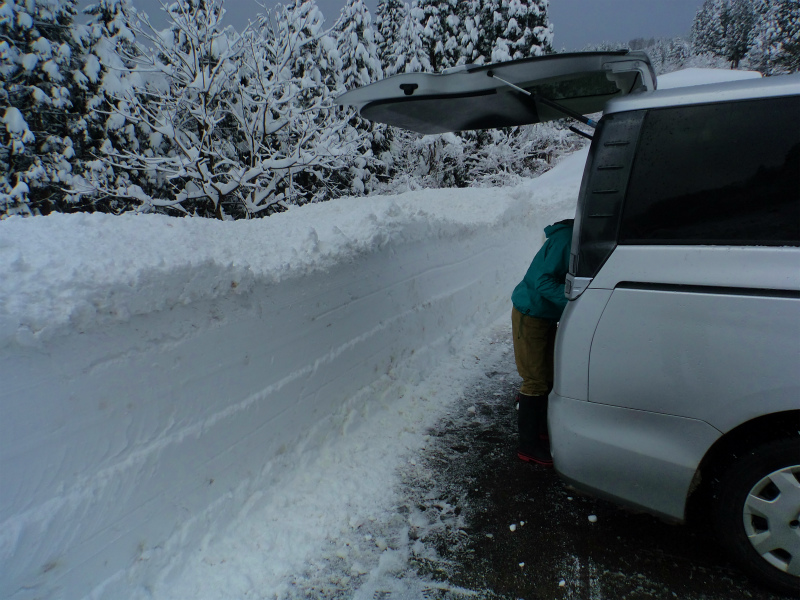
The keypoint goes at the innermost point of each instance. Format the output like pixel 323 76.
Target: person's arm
pixel 550 282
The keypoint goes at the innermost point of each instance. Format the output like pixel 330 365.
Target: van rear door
pixel 496 95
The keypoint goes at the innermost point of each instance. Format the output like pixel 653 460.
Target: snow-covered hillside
pixel 171 383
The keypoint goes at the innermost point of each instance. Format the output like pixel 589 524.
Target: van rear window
pixel 716 174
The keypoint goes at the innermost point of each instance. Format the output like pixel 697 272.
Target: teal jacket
pixel 541 292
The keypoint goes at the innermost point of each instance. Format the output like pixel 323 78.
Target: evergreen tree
pixel 724 28
pixel 516 29
pixel 738 38
pixel 453 15
pixel 360 66
pixel 320 142
pixel 410 55
pixel 390 16
pixel 40 99
pixel 528 29
pixel 357 48
pixel 443 29
pixel 786 45
pixel 433 32
pixel 776 37
pixel 471 34
pixel 710 26
pixel 493 26
pixel 110 45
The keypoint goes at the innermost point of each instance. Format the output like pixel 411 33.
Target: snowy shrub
pixel 517 152
pixel 238 123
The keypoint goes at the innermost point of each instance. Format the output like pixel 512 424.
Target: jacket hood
pixel 551 229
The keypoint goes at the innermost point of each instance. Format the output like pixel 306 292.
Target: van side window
pixel 725 173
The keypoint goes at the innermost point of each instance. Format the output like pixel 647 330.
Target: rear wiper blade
pixel 546 101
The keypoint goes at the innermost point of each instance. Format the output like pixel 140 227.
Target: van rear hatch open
pixel 492 96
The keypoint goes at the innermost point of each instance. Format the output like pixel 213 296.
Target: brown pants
pixel 534 345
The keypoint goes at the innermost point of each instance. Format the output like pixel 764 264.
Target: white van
pixel 678 356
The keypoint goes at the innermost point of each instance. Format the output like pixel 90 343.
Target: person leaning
pixel 538 303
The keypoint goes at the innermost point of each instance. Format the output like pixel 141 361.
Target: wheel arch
pixel 727 449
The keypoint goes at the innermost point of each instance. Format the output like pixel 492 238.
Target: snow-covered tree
pixel 528 31
pixel 433 31
pixel 389 19
pixel 426 161
pixel 515 29
pixel 709 27
pixel 776 37
pixel 738 38
pixel 361 66
pixel 312 53
pixel 471 33
pixel 110 44
pixel 493 26
pixel 410 55
pixel 453 15
pixel 43 81
pixel 669 54
pixel 508 155
pixel 357 47
pixel 724 28
pixel 451 31
pixel 234 120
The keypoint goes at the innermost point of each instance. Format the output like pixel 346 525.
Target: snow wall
pixel 155 370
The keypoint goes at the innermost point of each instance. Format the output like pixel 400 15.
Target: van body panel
pixel 574 342
pixel 723 358
pixel 633 457
pixel 756 267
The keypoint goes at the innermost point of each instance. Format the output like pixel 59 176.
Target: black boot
pixel 532 425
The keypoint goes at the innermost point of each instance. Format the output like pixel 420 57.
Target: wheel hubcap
pixel 772 519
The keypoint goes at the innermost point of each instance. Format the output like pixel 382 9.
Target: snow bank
pixel 162 376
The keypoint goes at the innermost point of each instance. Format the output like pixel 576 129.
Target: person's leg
pixel 531 339
pixel 534 365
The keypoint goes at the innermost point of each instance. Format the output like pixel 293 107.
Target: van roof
pixel 747 89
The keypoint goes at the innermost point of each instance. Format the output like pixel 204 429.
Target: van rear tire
pixel 756 514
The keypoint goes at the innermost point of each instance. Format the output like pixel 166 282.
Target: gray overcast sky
pixel 577 22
